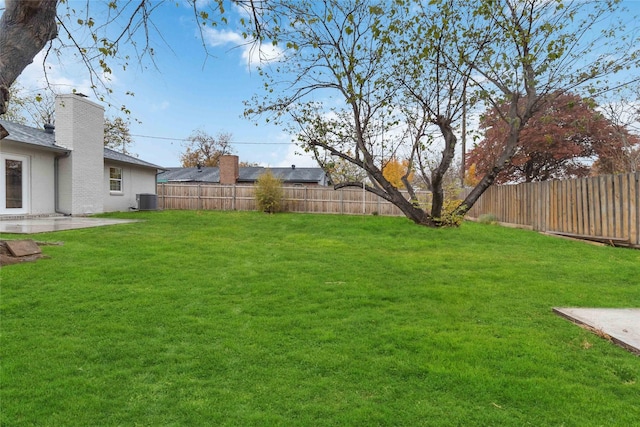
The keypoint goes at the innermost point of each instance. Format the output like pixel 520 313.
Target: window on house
pixel 115 180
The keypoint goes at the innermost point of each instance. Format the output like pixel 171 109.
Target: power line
pixel 230 142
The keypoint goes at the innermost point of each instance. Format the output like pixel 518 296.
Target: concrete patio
pixel 58 223
pixel 619 325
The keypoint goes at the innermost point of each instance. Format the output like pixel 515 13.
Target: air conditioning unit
pixel 147 202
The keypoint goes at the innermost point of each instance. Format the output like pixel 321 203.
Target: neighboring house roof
pixel 246 174
pixel 205 174
pixel 116 156
pixel 251 174
pixel 47 140
pixel 32 136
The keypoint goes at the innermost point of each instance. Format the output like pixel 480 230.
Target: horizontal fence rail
pixel 312 199
pixel 602 208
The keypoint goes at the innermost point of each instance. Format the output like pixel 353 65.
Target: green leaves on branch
pixel 396 76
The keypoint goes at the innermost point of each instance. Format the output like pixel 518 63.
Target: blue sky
pixel 188 91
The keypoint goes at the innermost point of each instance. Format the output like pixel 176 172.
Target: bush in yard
pixel 269 193
pixel 450 214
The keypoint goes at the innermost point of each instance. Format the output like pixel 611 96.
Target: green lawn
pixel 228 318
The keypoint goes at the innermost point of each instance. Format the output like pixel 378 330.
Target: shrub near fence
pixel 602 208
pixel 351 201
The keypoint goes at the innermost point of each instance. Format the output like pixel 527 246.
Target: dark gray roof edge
pixel 29 135
pixel 56 148
pixel 116 156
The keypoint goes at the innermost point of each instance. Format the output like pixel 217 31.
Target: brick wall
pixel 80 128
pixel 229 169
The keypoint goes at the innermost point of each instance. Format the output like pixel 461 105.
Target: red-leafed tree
pixel 561 141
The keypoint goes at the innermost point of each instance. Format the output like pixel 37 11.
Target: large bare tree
pixel 363 81
pixel 202 149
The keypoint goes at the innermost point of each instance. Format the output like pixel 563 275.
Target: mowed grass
pixel 246 319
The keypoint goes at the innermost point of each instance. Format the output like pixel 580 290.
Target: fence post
pixel 233 200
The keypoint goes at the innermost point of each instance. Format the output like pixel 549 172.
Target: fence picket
pixel 603 208
pixel 296 199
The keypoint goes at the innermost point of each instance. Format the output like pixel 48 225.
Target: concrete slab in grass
pixel 46 225
pixel 620 325
pixel 23 247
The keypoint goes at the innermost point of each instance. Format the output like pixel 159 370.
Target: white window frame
pixel 26 184
pixel 115 180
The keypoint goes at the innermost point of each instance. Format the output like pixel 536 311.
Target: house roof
pixel 204 174
pixel 246 174
pixel 124 158
pixel 42 139
pixel 251 174
pixel 32 136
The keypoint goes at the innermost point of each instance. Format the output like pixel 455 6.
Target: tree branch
pixel 25 28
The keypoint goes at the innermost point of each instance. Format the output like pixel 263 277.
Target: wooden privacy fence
pixel 603 208
pixel 351 200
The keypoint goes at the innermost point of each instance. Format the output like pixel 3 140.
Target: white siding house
pixel 124 178
pixel 68 171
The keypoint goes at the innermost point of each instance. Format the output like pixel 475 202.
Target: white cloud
pixel 214 37
pixel 296 156
pixel 252 54
pixel 164 105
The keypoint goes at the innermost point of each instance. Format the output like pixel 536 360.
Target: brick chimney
pixel 80 128
pixel 229 170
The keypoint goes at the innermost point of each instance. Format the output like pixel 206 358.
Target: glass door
pixel 14 183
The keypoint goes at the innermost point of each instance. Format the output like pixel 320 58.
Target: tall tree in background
pixel 116 134
pixel 203 149
pixel 542 49
pixel 623 112
pixel 30 109
pixel 15 110
pixel 397 172
pixel 560 141
pixel 380 66
pixel 380 70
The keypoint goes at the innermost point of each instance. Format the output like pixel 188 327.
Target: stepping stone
pixel 21 248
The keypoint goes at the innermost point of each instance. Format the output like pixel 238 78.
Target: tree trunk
pixel 437 175
pixel 414 213
pixel 517 123
pixel 489 178
pixel 393 195
pixel 25 29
